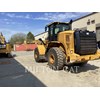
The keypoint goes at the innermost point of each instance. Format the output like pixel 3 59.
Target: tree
pixel 17 38
pixel 30 37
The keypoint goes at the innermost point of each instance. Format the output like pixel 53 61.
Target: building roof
pixel 85 16
pixel 40 33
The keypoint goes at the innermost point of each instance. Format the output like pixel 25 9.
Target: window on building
pixel 88 22
pixel 93 21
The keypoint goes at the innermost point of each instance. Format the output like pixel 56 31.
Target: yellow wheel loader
pixel 5 48
pixel 66 46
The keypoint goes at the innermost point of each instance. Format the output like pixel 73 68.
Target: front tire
pixel 38 57
pixel 55 58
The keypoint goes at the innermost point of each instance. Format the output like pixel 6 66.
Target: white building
pixel 89 22
pixel 43 36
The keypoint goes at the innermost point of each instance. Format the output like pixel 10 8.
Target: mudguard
pixel 41 49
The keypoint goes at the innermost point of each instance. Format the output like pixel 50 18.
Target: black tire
pixel 9 55
pixel 58 56
pixel 38 57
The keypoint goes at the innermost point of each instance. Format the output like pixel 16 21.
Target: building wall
pixel 43 36
pixel 91 23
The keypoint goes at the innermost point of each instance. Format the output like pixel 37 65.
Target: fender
pixel 41 49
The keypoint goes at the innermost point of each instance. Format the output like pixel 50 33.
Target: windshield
pixel 61 27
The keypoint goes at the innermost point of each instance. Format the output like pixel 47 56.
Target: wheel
pixel 55 58
pixel 37 56
pixel 9 55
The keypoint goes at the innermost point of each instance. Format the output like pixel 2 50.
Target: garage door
pixel 98 33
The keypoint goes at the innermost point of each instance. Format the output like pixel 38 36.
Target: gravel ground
pixel 22 70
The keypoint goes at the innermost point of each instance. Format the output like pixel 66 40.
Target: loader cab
pixel 56 27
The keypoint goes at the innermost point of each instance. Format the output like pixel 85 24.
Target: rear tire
pixel 55 58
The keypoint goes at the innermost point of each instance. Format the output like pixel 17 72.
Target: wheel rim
pixel 52 59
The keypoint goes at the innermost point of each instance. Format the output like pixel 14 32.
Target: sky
pixel 35 22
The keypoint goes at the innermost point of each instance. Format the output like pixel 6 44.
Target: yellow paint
pixel 41 49
pixel 2 39
pixel 77 58
pixel 7 49
pixel 67 39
